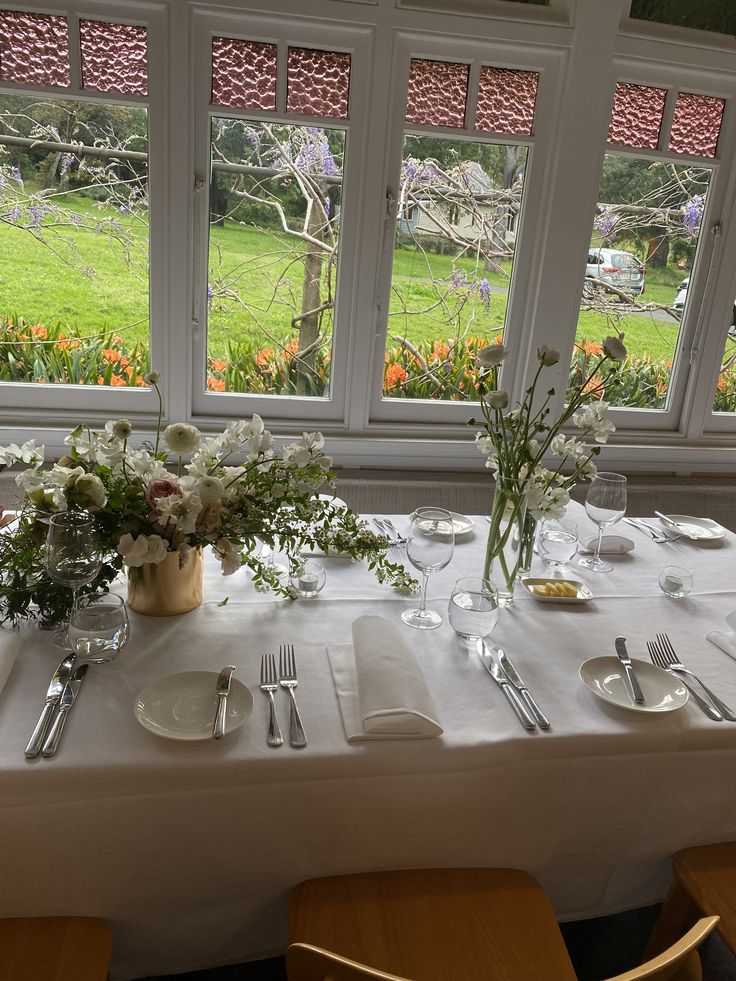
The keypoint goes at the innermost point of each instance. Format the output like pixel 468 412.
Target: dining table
pixel 189 848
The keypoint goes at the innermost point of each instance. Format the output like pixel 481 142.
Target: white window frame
pixel 673 418
pixel 66 404
pixel 290 411
pixel 546 61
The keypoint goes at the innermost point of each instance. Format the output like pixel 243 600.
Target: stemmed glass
pixel 605 504
pixel 429 548
pixel 72 556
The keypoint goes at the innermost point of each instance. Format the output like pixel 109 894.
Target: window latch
pixel 390 202
pixel 199 182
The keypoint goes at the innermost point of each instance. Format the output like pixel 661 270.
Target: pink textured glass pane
pixel 696 124
pixel 438 91
pixel 318 82
pixel 636 117
pixel 506 100
pixel 243 74
pixel 114 57
pixel 34 48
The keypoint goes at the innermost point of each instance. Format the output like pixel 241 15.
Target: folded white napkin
pixel 610 544
pixel 726 642
pixel 380 687
pixel 9 647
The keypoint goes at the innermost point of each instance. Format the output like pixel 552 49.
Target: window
pixel 74 239
pixel 645 239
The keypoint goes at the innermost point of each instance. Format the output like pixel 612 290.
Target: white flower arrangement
pixel 147 506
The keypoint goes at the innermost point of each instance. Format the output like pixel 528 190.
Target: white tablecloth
pixel 189 850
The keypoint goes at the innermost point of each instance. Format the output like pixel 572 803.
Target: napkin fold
pixel 726 642
pixel 381 690
pixel 9 647
pixel 610 545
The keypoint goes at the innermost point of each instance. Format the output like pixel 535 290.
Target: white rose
pixel 152 378
pixel 229 556
pixel 88 489
pixel 180 437
pixel 498 400
pixel 493 355
pixel 210 489
pixel 143 550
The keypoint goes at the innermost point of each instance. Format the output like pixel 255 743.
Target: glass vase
pixel 528 538
pixel 503 551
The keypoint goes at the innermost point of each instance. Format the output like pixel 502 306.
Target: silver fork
pixel 658 658
pixel 659 538
pixel 399 539
pixel 676 665
pixel 269 685
pixel 289 681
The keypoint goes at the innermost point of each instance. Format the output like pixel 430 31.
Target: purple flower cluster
pixel 457 279
pixel 67 159
pixel 210 294
pixel 254 138
pixel 605 222
pixel 15 175
pixel 36 213
pixel 484 290
pixel 692 213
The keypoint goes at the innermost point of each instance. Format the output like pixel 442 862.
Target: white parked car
pixel 681 297
pixel 620 269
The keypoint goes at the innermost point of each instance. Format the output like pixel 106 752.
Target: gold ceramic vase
pixel 166 588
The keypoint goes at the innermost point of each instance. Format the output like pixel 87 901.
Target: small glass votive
pixel 308 579
pixel 99 628
pixel 557 541
pixel 473 609
pixel 676 581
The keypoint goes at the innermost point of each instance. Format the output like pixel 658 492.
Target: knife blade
pixel 53 695
pixel 515 678
pixel 489 663
pixel 68 697
pixel 222 688
pixel 635 689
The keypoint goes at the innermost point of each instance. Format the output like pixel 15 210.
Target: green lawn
pixel 38 286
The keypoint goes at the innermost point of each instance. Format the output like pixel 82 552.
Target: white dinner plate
pixel 182 706
pixel 582 593
pixel 461 523
pixel 705 529
pixel 605 677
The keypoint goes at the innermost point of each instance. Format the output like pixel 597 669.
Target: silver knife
pixel 681 529
pixel 489 663
pixel 514 677
pixel 68 697
pixel 53 695
pixel 623 656
pixel 223 690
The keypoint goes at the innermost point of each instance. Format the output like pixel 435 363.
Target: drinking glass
pixel 72 557
pixel 308 579
pixel 473 608
pixel 101 624
pixel 557 541
pixel 604 505
pixel 429 548
pixel 676 581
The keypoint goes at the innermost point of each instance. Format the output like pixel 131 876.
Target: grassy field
pixel 112 294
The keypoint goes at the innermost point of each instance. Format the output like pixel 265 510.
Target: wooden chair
pixel 705 884
pixel 59 948
pixel 438 924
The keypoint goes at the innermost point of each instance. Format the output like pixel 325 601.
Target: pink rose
pixel 161 488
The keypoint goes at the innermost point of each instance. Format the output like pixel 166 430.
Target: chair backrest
pixel 307 963
pixel 679 963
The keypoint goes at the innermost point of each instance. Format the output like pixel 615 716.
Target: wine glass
pixel 605 504
pixel 72 557
pixel 429 548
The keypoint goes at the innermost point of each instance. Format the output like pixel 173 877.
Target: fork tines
pixel 287 662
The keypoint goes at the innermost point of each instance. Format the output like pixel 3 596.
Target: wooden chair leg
pixel 678 913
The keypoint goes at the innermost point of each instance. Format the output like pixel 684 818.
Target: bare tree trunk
pixel 658 250
pixel 311 302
